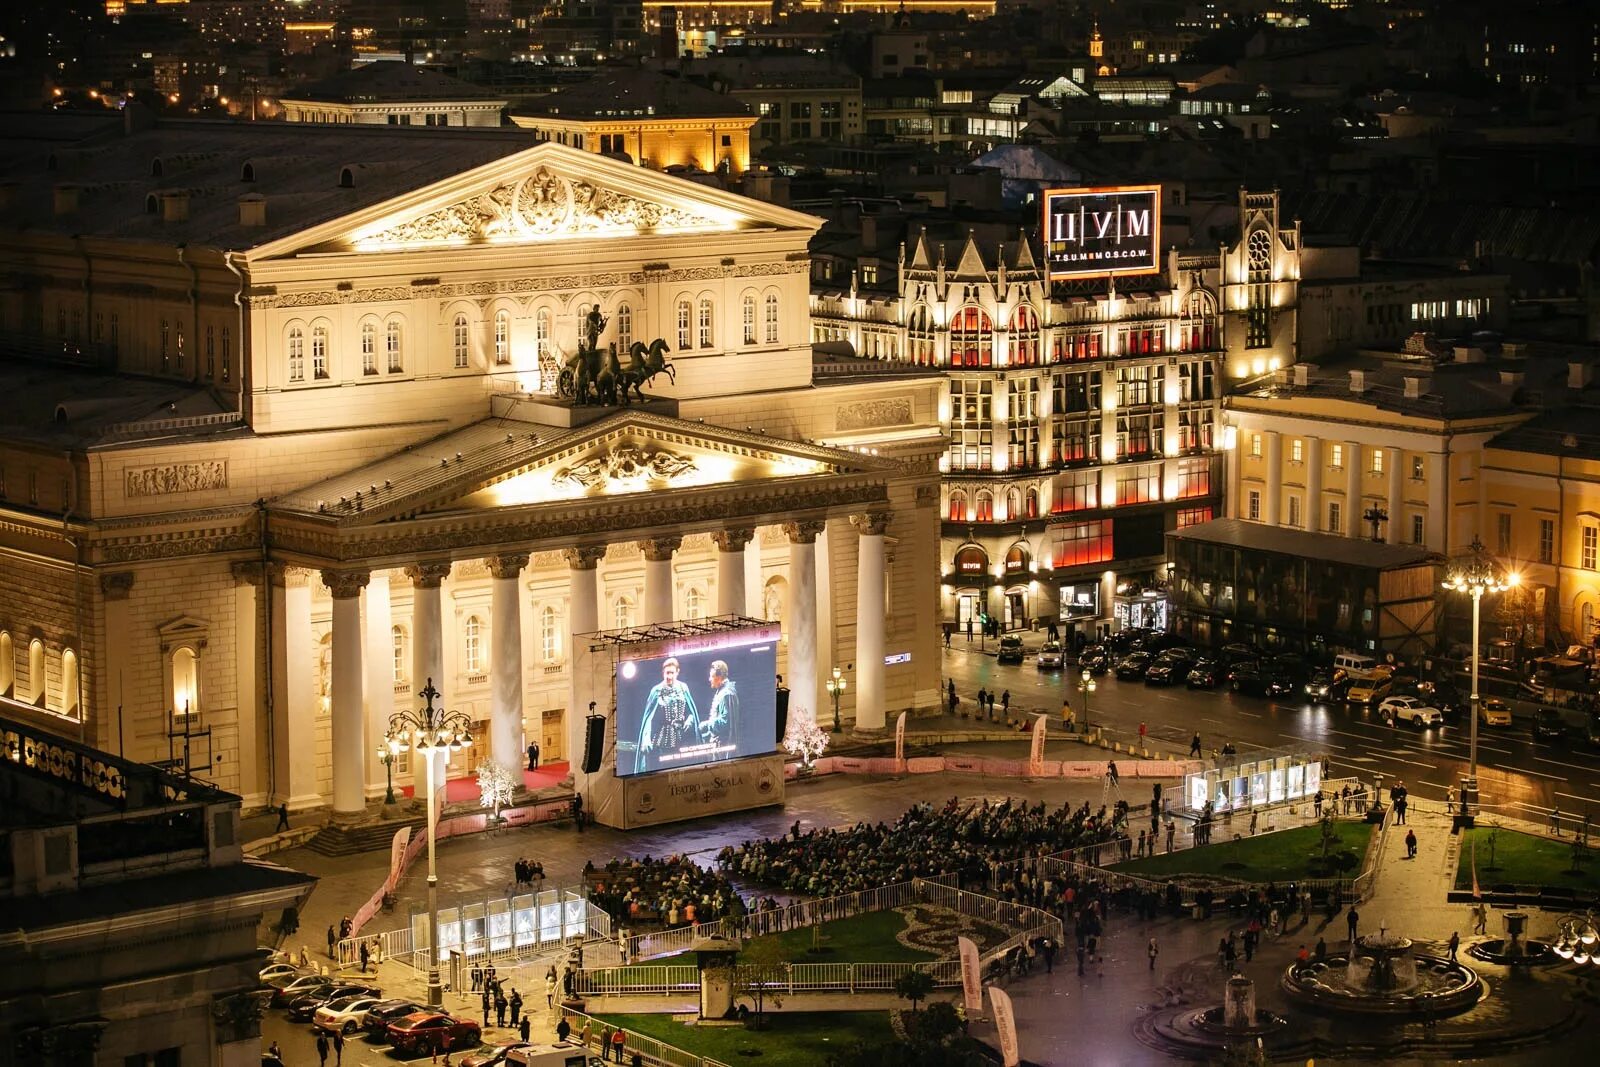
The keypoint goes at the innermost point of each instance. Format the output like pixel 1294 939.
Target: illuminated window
pixel 1031 504
pixel 393 346
pixel 971 339
pixel 1083 542
pixel 69 682
pixel 185 681
pixel 971 424
pixel 1417 468
pixel 1294 511
pixel 685 324
pixel 8 666
pixel 958 506
pixel 1335 516
pixel 369 347
pixel 919 335
pixel 1377 461
pixel 472 646
pixel 623 613
pixel 227 352
pixel 1193 517
pixel 749 319
pixel 541 333
pixel 1255 444
pixel 772 318
pixel 705 322
pixel 297 354
pixel 1297 451
pixel 985 510
pixel 550 634
pixel 694 603
pixel 1336 456
pixel 1417 532
pixel 319 352
pixel 1139 484
pixel 1024 337
pixel 460 340
pixel 624 323
pixel 502 338
pixel 1254 512
pixel 1591 546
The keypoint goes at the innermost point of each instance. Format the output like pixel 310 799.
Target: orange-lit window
pixel 971 339
pixel 1083 542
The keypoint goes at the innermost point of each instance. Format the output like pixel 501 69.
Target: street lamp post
pixel 1086 686
pixel 836 687
pixel 428 731
pixel 387 758
pixel 1475 574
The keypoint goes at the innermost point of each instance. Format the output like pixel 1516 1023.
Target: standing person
pixel 1194 746
pixel 338 1048
pixel 1455 943
pixel 1152 950
pixel 1555 821
pixel 1143 733
pixel 577 810
pixel 526 1028
pixel 1353 918
pixel 1069 718
pixel 563 1029
pixel 1111 771
pixel 1172 831
pixel 619 1042
pixel 1316 804
pixel 1480 918
pixel 322 1048
pixel 983 701
pixel 333 941
pixel 486 1007
pixel 1005 704
pixel 950 690
pixel 500 1006
pixel 1049 955
pixel 1411 844
pixel 366 954
pixel 283 817
pixel 605 1042
pixel 516 1005
pixel 533 755
pixel 477 978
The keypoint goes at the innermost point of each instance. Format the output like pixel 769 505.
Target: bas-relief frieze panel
pixel 868 414
pixel 169 478
pixel 513 286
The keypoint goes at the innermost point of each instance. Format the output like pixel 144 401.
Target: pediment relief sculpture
pixel 627 468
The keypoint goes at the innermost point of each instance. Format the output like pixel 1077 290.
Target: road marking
pixel 1398 759
pixel 1536 774
pixel 1361 759
pixel 1573 796
pixel 1314 740
pixel 1252 714
pixel 1558 763
pixel 1530 807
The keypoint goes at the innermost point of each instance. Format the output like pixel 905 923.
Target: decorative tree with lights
pixel 804 739
pixel 495 786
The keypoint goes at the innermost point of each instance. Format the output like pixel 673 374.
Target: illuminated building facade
pixel 286 447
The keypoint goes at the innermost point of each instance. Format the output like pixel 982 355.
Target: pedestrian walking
pixel 1005 704
pixel 1351 920
pixel 486 1007
pixel 338 1048
pixel 1480 918
pixel 950 689
pixel 947 635
pixel 1411 844
pixel 563 1029
pixel 983 701
pixel 1049 955
pixel 322 1048
pixel 1254 815
pixel 550 988
pixel 1143 732
pixel 1152 950
pixel 283 818
pixel 533 755
pixel 1455 943
pixel 1194 746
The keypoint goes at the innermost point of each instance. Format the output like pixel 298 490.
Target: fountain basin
pixel 1417 984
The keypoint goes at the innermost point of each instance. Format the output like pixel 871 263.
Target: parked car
pixel 1010 650
pixel 1133 665
pixel 491 1055
pixel 304 1007
pixel 306 983
pixel 1204 674
pixel 428 1031
pixel 1368 691
pixel 1049 657
pixel 1548 725
pixel 279 974
pixel 1237 653
pixel 1256 680
pixel 1492 711
pixel 378 1017
pixel 1096 659
pixel 344 1014
pixel 1319 687
pixel 1412 710
pixel 1171 666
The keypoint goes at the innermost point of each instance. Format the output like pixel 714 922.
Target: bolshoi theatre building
pixel 281 440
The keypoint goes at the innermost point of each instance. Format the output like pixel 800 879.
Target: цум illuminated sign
pixel 1103 231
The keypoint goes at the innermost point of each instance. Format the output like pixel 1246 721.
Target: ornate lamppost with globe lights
pixel 427 732
pixel 1086 686
pixel 1475 574
pixel 836 687
pixel 387 758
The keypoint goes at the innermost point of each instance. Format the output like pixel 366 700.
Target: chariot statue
pixel 597 376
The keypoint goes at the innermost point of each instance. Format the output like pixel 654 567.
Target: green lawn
pixel 801 1039
pixel 868 938
pixel 1274 857
pixel 1524 859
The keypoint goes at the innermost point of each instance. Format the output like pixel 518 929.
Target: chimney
pixel 252 210
pixel 175 206
pixel 1416 386
pixel 1579 375
pixel 1302 375
pixel 68 198
pixel 1358 381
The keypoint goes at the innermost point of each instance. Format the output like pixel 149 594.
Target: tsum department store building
pixel 281 446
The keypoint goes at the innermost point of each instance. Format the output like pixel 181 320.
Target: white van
pixel 1355 665
pixel 560 1054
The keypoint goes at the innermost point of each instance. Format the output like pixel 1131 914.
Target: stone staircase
pixel 334 840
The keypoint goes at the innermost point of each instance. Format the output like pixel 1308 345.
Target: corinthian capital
pixel 345 584
pixel 428 575
pixel 659 549
pixel 873 523
pixel 734 540
pixel 806 532
pixel 584 557
pixel 117 585
pixel 507 565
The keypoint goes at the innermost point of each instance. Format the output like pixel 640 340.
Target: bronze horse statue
pixel 594 375
pixel 645 363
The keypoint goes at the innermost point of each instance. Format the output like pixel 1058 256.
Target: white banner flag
pixel 1036 753
pixel 971 977
pixel 900 737
pixel 1005 1024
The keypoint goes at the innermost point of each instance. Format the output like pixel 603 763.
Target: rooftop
pixel 74 407
pixel 390 82
pixel 631 92
pixel 1330 548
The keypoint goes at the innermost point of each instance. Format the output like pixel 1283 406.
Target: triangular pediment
pixel 486 467
pixel 547 193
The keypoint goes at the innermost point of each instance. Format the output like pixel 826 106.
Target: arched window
pixel 8 666
pixel 772 318
pixel 393 343
pixel 971 561
pixel 694 603
pixel 1031 504
pixel 624 321
pixel 1024 337
pixel 1017 559
pixel 460 339
pixel 958 506
pixel 685 324
pixel 541 332
pixel 705 331
pixel 985 506
pixel 185 681
pixel 472 647
pixel 402 661
pixel 623 612
pixel 36 672
pixel 319 352
pixel 919 335
pixel 1013 505
pixel 297 354
pixel 774 598
pixel 749 318
pixel 69 682
pixel 1197 323
pixel 369 348
pixel 972 339
pixel 502 338
pixel 550 634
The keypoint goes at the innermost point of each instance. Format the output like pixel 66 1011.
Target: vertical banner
pixel 1036 753
pixel 900 738
pixel 971 977
pixel 1005 1024
pixel 397 855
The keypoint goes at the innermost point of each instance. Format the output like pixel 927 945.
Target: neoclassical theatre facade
pixel 281 444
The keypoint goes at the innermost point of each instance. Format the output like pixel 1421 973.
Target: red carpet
pixel 465 790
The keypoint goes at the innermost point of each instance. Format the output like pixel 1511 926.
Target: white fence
pixel 494 931
pixel 666 979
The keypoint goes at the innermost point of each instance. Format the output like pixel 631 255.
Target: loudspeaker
pixel 594 743
pixel 783 712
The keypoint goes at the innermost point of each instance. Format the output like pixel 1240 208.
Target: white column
pixel 115 588
pixel 1398 529
pixel 427 656
pixel 349 734
pixel 505 662
pixel 658 578
pixel 583 617
pixel 1438 503
pixel 802 620
pixel 246 656
pixel 755 590
pixel 1271 507
pixel 730 569
pixel 294 723
pixel 379 620
pixel 1352 495
pixel 870 620
pixel 1233 489
pixel 1313 514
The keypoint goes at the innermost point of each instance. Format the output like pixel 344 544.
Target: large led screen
pixel 696 707
pixel 1100 232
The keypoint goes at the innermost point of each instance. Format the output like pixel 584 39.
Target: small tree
pixel 496 784
pixel 760 973
pixel 803 738
pixel 935 1026
pixel 914 986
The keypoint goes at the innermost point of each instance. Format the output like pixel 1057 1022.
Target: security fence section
pixel 1253 780
pixel 512 926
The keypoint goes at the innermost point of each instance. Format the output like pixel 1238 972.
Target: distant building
pixel 394 94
